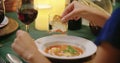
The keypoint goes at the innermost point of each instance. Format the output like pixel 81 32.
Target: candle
pixel 42 19
pixel 57 6
pixel 46 10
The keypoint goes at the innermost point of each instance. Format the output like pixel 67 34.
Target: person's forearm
pixel 38 58
pixel 106 53
pixel 96 16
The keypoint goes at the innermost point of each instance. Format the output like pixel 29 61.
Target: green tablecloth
pixel 7 40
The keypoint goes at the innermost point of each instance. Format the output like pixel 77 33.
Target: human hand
pixel 24 45
pixel 74 11
pixel 85 9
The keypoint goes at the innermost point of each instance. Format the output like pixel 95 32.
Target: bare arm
pixel 106 53
pixel 96 16
pixel 92 13
pixel 24 46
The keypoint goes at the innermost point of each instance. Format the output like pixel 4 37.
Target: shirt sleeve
pixel 111 30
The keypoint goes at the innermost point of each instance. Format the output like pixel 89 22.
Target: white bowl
pixel 88 47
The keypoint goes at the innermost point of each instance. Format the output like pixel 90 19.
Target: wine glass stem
pixel 27 28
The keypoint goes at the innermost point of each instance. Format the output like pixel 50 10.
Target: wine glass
pixel 2 10
pixel 27 14
pixel 2 13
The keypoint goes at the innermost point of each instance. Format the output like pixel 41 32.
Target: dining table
pixel 8 39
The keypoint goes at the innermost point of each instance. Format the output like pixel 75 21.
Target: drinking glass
pixel 2 13
pixel 2 10
pixel 27 14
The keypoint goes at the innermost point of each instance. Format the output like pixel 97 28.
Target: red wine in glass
pixel 27 16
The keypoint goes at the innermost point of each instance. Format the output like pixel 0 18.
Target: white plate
pixel 4 22
pixel 87 46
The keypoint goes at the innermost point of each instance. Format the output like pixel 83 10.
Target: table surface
pixel 8 40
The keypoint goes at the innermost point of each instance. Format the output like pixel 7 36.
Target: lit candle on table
pixel 46 10
pixel 42 19
pixel 58 6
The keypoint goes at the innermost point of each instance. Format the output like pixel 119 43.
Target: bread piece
pixel 57 25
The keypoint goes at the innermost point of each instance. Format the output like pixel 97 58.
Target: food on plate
pixel 64 50
pixel 56 25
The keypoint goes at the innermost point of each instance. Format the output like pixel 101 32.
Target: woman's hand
pixel 94 13
pixel 73 11
pixel 24 46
